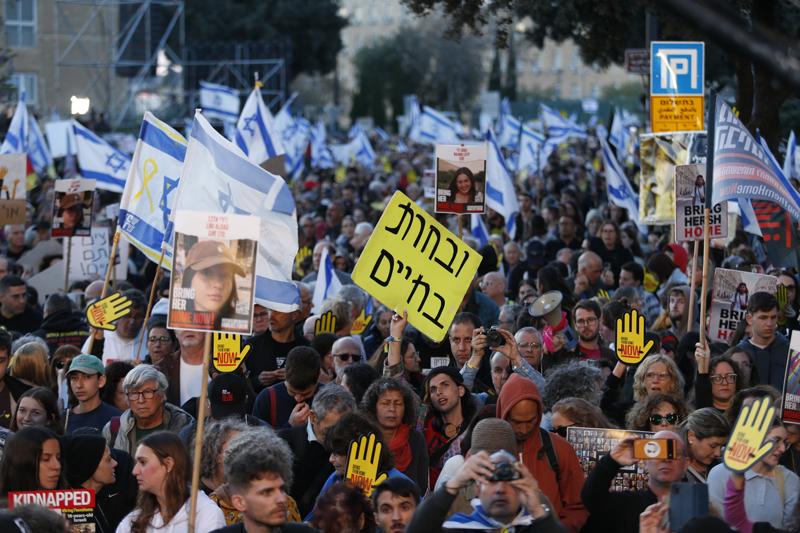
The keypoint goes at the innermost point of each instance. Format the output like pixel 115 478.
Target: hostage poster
pixel 212 283
pixel 790 408
pixel 590 444
pixel 690 201
pixel 72 208
pixel 460 178
pixel 76 505
pixel 731 293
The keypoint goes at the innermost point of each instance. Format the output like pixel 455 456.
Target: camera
pixel 494 338
pixel 504 469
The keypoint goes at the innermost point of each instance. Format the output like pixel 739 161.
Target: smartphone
pixel 686 501
pixel 654 449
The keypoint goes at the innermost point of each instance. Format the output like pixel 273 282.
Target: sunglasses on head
pixel 669 418
pixel 348 356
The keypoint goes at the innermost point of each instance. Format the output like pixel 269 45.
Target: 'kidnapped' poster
pixel 732 290
pixel 213 278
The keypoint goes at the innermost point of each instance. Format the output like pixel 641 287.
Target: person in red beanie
pixel 679 255
pixel 549 457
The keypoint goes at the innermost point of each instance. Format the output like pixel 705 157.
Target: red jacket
pixel 564 495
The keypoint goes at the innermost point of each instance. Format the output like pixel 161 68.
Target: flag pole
pixel 712 117
pixel 149 309
pixel 104 293
pixel 460 226
pixel 693 286
pixel 198 436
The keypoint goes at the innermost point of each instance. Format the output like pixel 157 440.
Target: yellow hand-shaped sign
pixel 301 256
pixel 603 294
pixel 746 444
pixel 227 351
pixel 361 323
pixel 630 345
pixel 103 313
pixel 362 464
pixel 325 324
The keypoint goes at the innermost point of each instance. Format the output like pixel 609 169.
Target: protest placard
pixel 790 408
pixel 590 444
pixel 413 262
pixel 660 154
pixel 690 202
pixel 72 209
pixel 12 189
pixel 76 505
pixel 731 292
pixel 460 178
pixel 212 283
pixel 88 256
pixel 227 352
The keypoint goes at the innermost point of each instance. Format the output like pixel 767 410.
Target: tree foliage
pixel 313 27
pixel 442 72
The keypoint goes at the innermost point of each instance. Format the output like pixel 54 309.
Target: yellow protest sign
pixel 227 351
pixel 362 464
pixel 413 262
pixel 361 323
pixel 325 323
pixel 103 313
pixel 746 445
pixel 630 345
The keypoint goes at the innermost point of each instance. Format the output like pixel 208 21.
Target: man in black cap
pixel 89 464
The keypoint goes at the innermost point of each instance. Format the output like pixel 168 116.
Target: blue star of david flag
pixel 620 192
pixel 500 193
pixel 219 101
pixel 218 178
pixel 151 188
pixel 478 229
pixel 24 136
pixel 256 134
pixel 99 160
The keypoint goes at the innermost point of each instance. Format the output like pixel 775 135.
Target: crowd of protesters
pixel 476 444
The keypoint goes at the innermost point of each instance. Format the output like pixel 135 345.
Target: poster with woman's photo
pixel 460 178
pixel 690 203
pixel 791 384
pixel 213 279
pixel 731 293
pixel 590 444
pixel 72 208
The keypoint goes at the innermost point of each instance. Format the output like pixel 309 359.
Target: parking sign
pixel 677 68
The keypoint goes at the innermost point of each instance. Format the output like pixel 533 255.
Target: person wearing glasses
pixel 529 342
pixel 717 381
pixel 160 340
pixel 705 431
pixel 658 412
pixel 146 389
pixel 586 316
pixel 86 376
pixel 346 352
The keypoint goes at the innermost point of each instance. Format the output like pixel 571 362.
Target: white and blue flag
pixel 99 160
pixel 217 177
pixel 414 114
pixel 321 156
pixel 25 137
pixel 355 130
pixel 532 155
pixel 435 128
pixel 381 133
pixel 295 140
pixel 558 128
pixel 38 152
pixel 478 229
pixel 500 194
pixel 358 149
pixel 620 192
pixel 219 101
pixel 256 135
pixel 151 188
pixel 791 165
pixel 327 284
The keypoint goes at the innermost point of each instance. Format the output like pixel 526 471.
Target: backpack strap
pixel 547 447
pixel 114 427
pixel 273 407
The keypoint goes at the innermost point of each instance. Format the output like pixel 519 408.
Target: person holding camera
pixel 509 499
pixel 502 342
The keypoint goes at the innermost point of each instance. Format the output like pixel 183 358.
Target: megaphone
pixel 548 307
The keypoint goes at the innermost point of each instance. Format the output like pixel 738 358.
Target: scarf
pixel 480 521
pixel 401 448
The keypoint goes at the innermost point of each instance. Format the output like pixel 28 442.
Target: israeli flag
pixel 620 192
pixel 218 177
pixel 478 229
pixel 355 130
pixel 38 152
pixel 99 160
pixel 16 141
pixel 295 140
pixel 328 284
pixel 560 128
pixel 359 150
pixel 500 193
pixel 381 133
pixel 256 134
pixel 435 128
pixel 151 188
pixel 283 119
pixel 619 134
pixel 414 120
pixel 532 156
pixel 790 163
pixel 509 132
pixel 321 156
pixel 219 101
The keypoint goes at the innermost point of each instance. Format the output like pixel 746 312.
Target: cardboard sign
pixel 88 257
pixel 413 262
pixel 227 352
pixel 746 445
pixel 790 406
pixel 72 208
pixel 103 314
pixel 13 211
pixel 13 176
pixel 76 505
pixel 590 444
pixel 460 178
pixel 732 290
pixel 690 201
pixel 213 279
pixel 659 155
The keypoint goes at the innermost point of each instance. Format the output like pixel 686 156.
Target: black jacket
pixel 612 511
pixel 63 327
pixel 285 528
pixel 310 469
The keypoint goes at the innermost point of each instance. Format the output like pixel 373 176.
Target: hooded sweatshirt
pixel 564 493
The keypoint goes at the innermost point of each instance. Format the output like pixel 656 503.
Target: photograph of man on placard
pixel 72 208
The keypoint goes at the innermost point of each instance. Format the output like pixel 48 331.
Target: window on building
pixel 20 20
pixel 28 82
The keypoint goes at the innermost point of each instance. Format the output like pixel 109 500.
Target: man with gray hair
pixel 146 389
pixel 259 479
pixel 590 265
pixel 311 467
pixel 529 342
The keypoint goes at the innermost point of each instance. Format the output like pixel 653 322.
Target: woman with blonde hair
pixel 657 373
pixel 30 365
